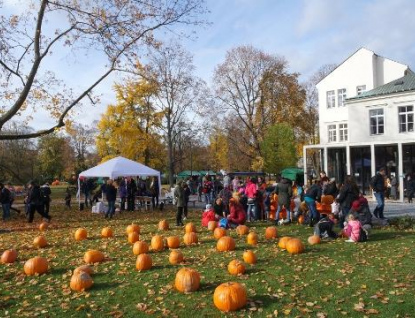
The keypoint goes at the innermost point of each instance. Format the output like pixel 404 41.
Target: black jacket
pixel 111 193
pixel 347 195
pixel 378 183
pixel 314 192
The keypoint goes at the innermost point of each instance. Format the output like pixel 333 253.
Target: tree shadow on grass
pixel 208 286
pixel 263 301
pixel 105 286
pixel 383 236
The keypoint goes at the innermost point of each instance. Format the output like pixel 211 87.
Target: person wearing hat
pixel 208 215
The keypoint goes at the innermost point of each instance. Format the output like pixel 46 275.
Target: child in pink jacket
pixel 352 229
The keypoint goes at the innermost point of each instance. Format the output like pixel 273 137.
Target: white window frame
pixel 341 96
pixel 360 89
pixel 380 114
pixel 405 113
pixel 343 132
pixel 331 99
pixel 331 133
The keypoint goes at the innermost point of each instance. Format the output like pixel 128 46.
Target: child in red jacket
pixel 208 215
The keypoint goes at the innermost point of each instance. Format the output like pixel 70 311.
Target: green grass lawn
pixel 333 279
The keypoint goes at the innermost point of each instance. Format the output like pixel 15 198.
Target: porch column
pixel 373 161
pixel 305 164
pixel 348 170
pixel 400 172
pixel 325 160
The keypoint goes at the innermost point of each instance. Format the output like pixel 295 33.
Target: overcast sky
pixel 308 33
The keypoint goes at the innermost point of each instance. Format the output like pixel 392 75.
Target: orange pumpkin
pixel 81 234
pixel 157 243
pixel 295 246
pixel 230 296
pixel 303 207
pixel 133 237
pixel 271 232
pixel 252 238
pixel 93 256
pixel 84 268
pixel 173 242
pixel 225 243
pixel 8 256
pixel 187 280
pixel 236 267
pixel 242 230
pixel 282 243
pixel 212 225
pixel 190 238
pixel 133 228
pixel 140 247
pixel 314 239
pixel 40 242
pixel 143 262
pixel 219 232
pixel 107 232
pixel 43 226
pixel 163 225
pixel 189 227
pixel 301 219
pixel 283 214
pixel 327 199
pixel 81 281
pixel 175 257
pixel 249 257
pixel 36 265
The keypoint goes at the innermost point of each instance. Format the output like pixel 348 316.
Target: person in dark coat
pixel 5 199
pixel 46 193
pixel 284 191
pixel 409 187
pixel 378 186
pixel 180 202
pixel 324 227
pixel 313 195
pixel 131 191
pixel 349 192
pixel 154 191
pixel 35 202
pixel 111 194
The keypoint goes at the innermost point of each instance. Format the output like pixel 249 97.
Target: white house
pixel 366 111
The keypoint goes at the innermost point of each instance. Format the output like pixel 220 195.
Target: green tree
pixel 52 156
pixel 279 148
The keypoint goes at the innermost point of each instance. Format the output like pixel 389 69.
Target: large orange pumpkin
pixel 190 238
pixel 143 262
pixel 230 296
pixel 133 237
pixel 282 243
pixel 84 268
pixel 242 230
pixel 212 225
pixel 81 234
pixel 225 243
pixel 187 280
pixel 252 238
pixel 36 265
pixel 314 239
pixel 249 257
pixel 175 257
pixel 133 228
pixel 190 227
pixel 81 281
pixel 295 246
pixel 40 241
pixel 163 225
pixel 271 232
pixel 173 242
pixel 107 232
pixel 140 247
pixel 93 256
pixel 43 226
pixel 8 256
pixel 236 267
pixel 219 232
pixel 157 243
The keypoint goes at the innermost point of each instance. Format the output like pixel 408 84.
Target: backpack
pixel 223 223
pixel 362 235
pixel 372 182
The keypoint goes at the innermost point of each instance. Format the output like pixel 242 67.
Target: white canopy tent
pixel 120 167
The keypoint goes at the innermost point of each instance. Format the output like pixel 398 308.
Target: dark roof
pixel 403 84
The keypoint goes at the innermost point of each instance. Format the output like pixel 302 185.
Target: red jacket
pixel 207 216
pixel 237 214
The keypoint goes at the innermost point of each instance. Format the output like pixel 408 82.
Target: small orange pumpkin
pixel 175 257
pixel 163 225
pixel 84 268
pixel 249 257
pixel 143 262
pixel 252 238
pixel 242 230
pixel 133 237
pixel 36 265
pixel 93 256
pixel 236 267
pixel 190 238
pixel 271 233
pixel 107 232
pixel 43 226
pixel 8 256
pixel 230 296
pixel 40 242
pixel 303 207
pixel 187 280
pixel 81 234
pixel 301 219
pixel 219 232
pixel 190 227
pixel 327 199
pixel 157 243
pixel 225 243
pixel 314 239
pixel 140 247
pixel 133 228
pixel 295 246
pixel 173 242
pixel 282 243
pixel 81 281
pixel 212 225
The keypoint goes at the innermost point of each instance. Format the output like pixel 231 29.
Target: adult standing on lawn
pixel 284 191
pixel 154 190
pixel 378 185
pixel 35 202
pixel 180 202
pixel 111 193
pixel 131 191
pixel 349 192
pixel 5 197
pixel 46 192
pixel 312 195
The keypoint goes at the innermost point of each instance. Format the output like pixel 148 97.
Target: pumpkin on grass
pixel 314 239
pixel 133 228
pixel 8 256
pixel 271 233
pixel 252 238
pixel 163 225
pixel 140 247
pixel 36 265
pixel 81 234
pixel 301 219
pixel 225 243
pixel 84 268
pixel 295 246
pixel 143 262
pixel 93 256
pixel 176 257
pixel 282 243
pixel 190 238
pixel 212 225
pixel 236 267
pixel 40 242
pixel 230 296
pixel 242 230
pixel 107 232
pixel 133 237
pixel 219 232
pixel 173 242
pixel 190 227
pixel 157 243
pixel 43 226
pixel 249 257
pixel 187 280
pixel 81 281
